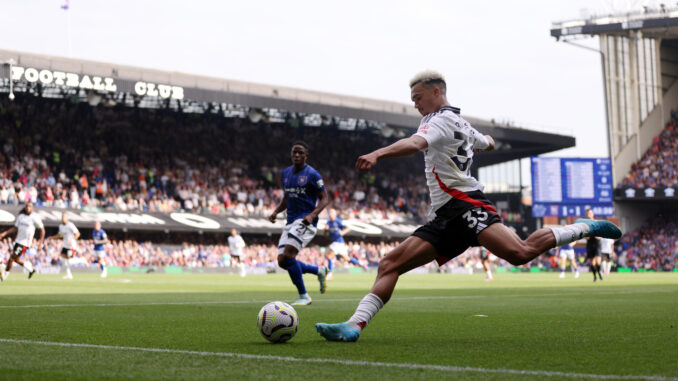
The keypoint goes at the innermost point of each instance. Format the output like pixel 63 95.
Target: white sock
pixel 489 273
pixel 28 266
pixel 67 264
pixel 367 308
pixel 569 233
pixel 304 296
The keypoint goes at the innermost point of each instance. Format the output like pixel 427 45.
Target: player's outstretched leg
pixel 410 254
pixel 506 244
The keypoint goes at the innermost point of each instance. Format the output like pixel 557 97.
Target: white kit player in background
pixel 236 244
pixel 24 227
pixel 69 234
pixel 566 254
pixel 606 245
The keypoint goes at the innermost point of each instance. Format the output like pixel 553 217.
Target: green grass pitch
pixel 154 326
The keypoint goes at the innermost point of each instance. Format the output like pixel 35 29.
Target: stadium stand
pixel 659 165
pixel 652 247
pixel 64 154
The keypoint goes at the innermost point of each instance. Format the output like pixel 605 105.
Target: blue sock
pixel 101 266
pixel 330 264
pixel 308 268
pixel 354 261
pixel 293 268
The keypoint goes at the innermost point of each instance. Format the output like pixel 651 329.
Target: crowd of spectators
pixel 652 247
pixel 134 253
pixel 659 164
pixel 64 154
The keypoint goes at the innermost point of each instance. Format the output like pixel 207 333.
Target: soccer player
pixel 69 234
pixel 606 245
pixel 236 244
pixel 566 254
pixel 24 227
pixel 305 197
pixel 463 216
pixel 336 228
pixel 593 250
pixel 100 239
pixel 485 261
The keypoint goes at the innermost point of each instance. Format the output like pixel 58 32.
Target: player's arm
pixel 281 207
pixel 323 201
pixel 56 236
pixel 7 232
pixel 402 148
pixel 76 236
pixel 42 236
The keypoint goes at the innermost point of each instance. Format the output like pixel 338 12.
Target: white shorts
pixel 339 248
pixel 99 253
pixel 569 254
pixel 297 234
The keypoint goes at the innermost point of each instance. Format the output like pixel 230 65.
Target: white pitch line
pixel 441 368
pixel 406 298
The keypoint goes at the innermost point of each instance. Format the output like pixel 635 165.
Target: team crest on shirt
pixel 302 180
pixel 423 129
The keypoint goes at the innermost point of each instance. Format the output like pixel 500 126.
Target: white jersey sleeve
pixel 448 157
pixel 26 226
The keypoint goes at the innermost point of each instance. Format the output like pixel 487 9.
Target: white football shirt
pixel 68 232
pixel 236 244
pixel 26 226
pixel 448 157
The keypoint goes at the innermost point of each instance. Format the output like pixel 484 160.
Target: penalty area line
pixel 441 368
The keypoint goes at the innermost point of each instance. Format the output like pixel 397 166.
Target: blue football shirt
pixel 98 235
pixel 336 226
pixel 301 192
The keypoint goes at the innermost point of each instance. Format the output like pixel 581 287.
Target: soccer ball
pixel 278 322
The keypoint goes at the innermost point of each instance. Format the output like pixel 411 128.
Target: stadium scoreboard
pixel 565 187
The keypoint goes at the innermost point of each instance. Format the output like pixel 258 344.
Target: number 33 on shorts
pixel 476 219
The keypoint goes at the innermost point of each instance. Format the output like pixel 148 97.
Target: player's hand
pixel 490 147
pixel 366 162
pixel 308 219
pixel 273 217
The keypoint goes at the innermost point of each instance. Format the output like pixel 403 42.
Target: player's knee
pixel 386 265
pixel 283 261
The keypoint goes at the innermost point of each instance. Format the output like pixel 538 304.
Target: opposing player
pixel 485 261
pixel 566 254
pixel 69 234
pixel 236 244
pixel 305 197
pixel 100 239
pixel 463 216
pixel 593 250
pixel 336 229
pixel 24 227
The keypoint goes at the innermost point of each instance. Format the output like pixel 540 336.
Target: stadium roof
pixel 659 22
pixel 91 75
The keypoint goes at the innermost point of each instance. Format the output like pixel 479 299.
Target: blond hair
pixel 430 78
